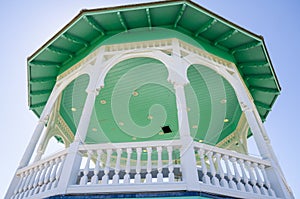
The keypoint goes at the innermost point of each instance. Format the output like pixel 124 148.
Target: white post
pixel 32 143
pixel 187 153
pixel 73 159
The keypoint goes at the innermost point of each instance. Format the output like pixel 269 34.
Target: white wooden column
pixel 73 160
pixel 187 153
pixel 32 143
pixel 262 140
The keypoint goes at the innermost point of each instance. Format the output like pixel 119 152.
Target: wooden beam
pixel 95 24
pixel 246 46
pixel 225 36
pixel 75 39
pixel 43 80
pixel 260 76
pixel 38 105
pixel 149 18
pixel 45 64
pixel 60 51
pixel 205 26
pixel 40 92
pixel 122 21
pixel 179 15
pixel 265 90
pixel 255 64
pixel 263 105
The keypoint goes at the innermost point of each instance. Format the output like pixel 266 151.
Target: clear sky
pixel 27 25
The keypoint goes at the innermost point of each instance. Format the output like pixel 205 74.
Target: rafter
pixel 260 76
pixel 179 15
pixel 60 51
pixel 263 105
pixel 246 46
pixel 75 39
pixel 95 24
pixel 255 64
pixel 45 64
pixel 40 92
pixel 225 36
pixel 263 89
pixel 43 80
pixel 38 105
pixel 205 26
pixel 149 18
pixel 122 21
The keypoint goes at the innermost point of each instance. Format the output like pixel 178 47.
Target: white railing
pixel 39 177
pixel 130 163
pixel 136 166
pixel 231 170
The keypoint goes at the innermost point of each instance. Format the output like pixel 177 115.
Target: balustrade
pixel 231 170
pixel 148 163
pixel 135 163
pixel 39 177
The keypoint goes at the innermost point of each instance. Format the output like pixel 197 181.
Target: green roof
pixel 93 28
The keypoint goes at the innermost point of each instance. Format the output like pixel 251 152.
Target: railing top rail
pixel 130 145
pixel 231 153
pixel 42 161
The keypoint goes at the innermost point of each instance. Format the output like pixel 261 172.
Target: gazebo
pixel 151 100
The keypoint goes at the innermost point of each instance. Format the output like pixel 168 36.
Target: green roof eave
pixel 70 45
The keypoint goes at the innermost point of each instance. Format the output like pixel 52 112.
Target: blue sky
pixel 26 27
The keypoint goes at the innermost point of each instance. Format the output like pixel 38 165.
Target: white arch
pixel 155 54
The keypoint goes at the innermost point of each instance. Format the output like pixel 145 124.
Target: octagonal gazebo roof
pixel 90 28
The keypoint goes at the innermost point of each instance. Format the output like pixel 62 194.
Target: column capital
pixel 93 91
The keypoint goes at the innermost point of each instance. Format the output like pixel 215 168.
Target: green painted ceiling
pixel 93 28
pixel 137 101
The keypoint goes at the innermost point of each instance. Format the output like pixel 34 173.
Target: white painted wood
pixel 149 165
pixel 137 177
pixel 105 178
pixel 127 169
pixel 116 177
pixel 159 164
pixel 220 171
pixel 238 176
pixel 205 177
pixel 95 178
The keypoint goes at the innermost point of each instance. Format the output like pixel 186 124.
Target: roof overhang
pixel 90 28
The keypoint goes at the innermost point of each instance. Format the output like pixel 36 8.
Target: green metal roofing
pixel 92 28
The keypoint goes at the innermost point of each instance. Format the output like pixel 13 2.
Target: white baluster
pixel 41 178
pixel 159 164
pixel 27 183
pixel 127 169
pixel 205 177
pixel 84 179
pixel 231 183
pixel 214 180
pixel 58 174
pixel 237 175
pixel 259 179
pixel 36 181
pixel 137 177
pixel 47 176
pixel 20 190
pixel 95 178
pixel 117 169
pixel 149 165
pixel 52 176
pixel 170 166
pixel 30 185
pixel 220 171
pixel 105 178
pixel 266 181
pixel 248 187
pixel 252 177
pixel 18 187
